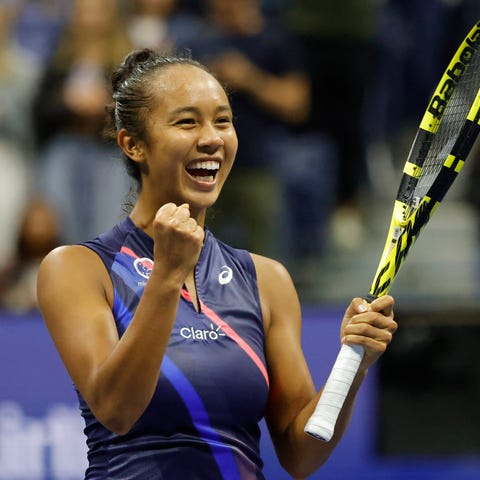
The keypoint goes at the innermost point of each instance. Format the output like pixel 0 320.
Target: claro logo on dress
pixel 202 334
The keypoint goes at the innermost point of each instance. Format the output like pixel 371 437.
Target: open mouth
pixel 203 171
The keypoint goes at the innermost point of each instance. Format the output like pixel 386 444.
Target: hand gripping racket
pixel 443 141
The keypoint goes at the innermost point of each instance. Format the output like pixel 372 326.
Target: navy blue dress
pixel 202 422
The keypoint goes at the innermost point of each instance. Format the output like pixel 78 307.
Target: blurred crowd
pixel 323 91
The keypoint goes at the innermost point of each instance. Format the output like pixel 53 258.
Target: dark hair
pixel 133 97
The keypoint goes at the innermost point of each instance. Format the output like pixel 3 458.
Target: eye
pixel 225 120
pixel 185 121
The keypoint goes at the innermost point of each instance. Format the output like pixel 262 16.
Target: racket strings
pixel 450 127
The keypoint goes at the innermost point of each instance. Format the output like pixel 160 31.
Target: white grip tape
pixel 321 424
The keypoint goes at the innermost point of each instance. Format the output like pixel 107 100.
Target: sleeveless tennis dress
pixel 202 422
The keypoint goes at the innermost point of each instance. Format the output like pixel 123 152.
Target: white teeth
pixel 207 178
pixel 206 165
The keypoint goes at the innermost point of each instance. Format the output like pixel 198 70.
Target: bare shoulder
pixel 70 260
pixel 70 271
pixel 269 269
pixel 65 255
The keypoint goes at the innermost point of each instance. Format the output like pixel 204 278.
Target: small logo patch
pixel 143 266
pixel 225 275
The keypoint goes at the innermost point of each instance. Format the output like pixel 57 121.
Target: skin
pixel 191 120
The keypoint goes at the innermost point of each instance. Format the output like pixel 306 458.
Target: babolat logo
pixel 440 99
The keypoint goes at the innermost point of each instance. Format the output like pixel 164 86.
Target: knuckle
pixel 382 347
pixel 363 328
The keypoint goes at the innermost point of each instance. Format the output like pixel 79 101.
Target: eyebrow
pixel 196 110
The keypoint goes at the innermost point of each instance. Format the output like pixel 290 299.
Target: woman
pixel 179 344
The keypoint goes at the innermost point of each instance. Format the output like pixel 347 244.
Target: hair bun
pixel 132 62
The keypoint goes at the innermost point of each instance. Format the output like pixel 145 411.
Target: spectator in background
pixel 38 233
pixel 18 81
pixel 411 36
pixel 279 168
pixel 148 23
pixel 157 24
pixel 338 36
pixel 39 25
pixel 79 173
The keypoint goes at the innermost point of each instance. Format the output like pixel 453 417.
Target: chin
pixel 202 201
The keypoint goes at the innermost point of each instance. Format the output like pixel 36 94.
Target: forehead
pixel 179 85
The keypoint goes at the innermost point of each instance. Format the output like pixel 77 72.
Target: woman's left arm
pixel 293 397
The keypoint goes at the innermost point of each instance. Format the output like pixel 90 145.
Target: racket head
pixel 446 135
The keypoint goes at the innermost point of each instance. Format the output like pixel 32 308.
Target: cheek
pixel 231 142
pixel 168 154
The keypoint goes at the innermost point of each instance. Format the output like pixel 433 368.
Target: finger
pixel 360 305
pixel 191 224
pixel 166 210
pixel 366 330
pixel 383 304
pixel 370 345
pixel 357 306
pixel 179 216
pixel 183 212
pixel 375 319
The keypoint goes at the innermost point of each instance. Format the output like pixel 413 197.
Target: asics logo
pixel 225 275
pixel 203 334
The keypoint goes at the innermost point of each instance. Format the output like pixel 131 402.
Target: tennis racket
pixel 446 135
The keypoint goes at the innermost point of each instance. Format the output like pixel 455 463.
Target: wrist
pixel 361 374
pixel 167 282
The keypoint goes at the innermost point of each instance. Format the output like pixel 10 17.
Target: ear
pixel 131 147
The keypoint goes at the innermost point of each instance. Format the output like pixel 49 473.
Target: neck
pixel 143 215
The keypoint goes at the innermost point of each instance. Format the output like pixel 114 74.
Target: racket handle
pixel 321 424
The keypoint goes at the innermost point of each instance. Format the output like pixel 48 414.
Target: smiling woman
pixel 204 171
pixel 177 343
pixel 186 142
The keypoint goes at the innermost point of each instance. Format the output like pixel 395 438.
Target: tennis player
pixel 178 344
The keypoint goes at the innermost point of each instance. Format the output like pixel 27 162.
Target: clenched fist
pixel 178 240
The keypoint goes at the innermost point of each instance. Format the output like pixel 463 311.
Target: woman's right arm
pixel 116 377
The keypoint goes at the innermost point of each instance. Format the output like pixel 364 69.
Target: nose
pixel 209 138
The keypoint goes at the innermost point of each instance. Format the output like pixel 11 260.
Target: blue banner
pixel 41 430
